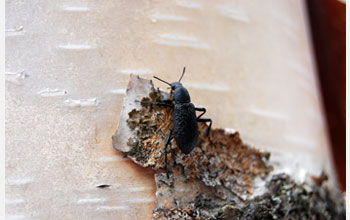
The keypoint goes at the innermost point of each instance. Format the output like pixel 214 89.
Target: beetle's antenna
pixel 183 72
pixel 162 80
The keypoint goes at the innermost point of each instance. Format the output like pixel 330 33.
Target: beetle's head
pixel 180 93
pixel 176 85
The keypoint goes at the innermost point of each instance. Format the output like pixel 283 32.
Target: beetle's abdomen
pixel 185 127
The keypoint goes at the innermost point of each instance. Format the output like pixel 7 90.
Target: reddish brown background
pixel 328 26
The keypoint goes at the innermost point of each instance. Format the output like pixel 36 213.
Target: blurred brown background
pixel 328 27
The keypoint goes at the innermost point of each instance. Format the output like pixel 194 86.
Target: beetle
pixel 185 127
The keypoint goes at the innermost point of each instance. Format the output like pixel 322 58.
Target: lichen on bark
pixel 221 161
pixel 218 179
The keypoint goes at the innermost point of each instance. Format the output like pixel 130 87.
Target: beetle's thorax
pixel 181 94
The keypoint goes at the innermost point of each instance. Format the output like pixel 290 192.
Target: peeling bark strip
pixel 220 178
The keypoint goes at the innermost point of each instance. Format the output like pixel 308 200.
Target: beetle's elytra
pixel 185 127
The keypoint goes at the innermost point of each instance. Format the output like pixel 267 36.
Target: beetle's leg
pixel 205 120
pixel 167 101
pixel 156 103
pixel 167 142
pixel 199 119
pixel 203 110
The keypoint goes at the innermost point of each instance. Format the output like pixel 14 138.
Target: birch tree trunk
pixel 67 68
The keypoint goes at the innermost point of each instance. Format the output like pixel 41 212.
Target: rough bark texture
pixel 222 178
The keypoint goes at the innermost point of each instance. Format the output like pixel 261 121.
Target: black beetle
pixel 184 118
